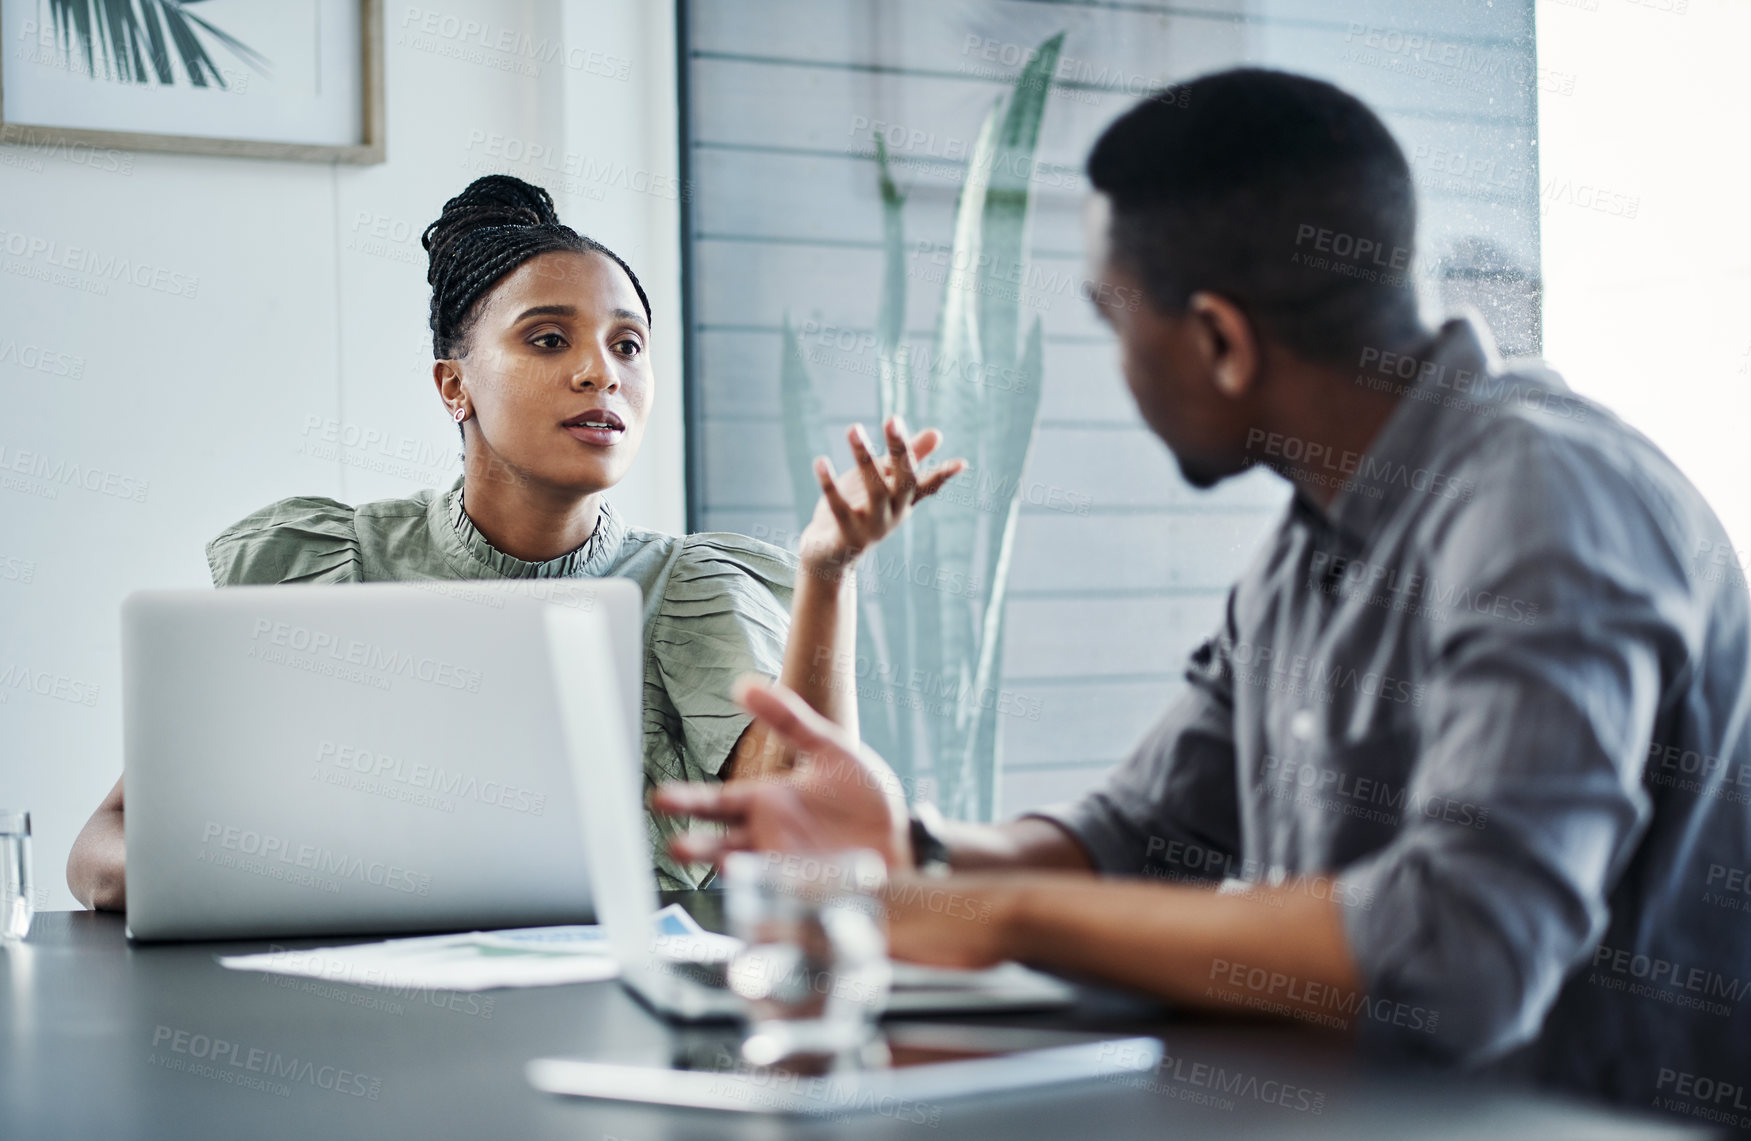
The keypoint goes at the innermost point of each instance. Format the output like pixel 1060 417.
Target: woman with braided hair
pixel 540 342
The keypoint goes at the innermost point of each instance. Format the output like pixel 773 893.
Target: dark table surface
pixel 89 1026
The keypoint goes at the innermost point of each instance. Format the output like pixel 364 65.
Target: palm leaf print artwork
pixel 133 41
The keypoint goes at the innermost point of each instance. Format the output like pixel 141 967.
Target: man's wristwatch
pixel 929 852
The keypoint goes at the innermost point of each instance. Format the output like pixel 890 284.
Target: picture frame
pixel 171 77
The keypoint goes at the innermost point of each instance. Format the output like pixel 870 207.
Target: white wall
pixel 1647 255
pixel 308 318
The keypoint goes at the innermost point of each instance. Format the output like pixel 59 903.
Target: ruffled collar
pixel 465 542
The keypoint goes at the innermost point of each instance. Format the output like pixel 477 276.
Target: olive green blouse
pixel 716 605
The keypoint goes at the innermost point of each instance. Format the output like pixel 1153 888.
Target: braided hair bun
pixel 495 225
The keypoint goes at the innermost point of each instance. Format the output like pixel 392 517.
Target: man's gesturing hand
pixel 840 795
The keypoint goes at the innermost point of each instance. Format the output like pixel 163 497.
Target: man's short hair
pixel 1281 193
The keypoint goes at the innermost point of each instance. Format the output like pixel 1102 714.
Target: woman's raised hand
pixel 863 506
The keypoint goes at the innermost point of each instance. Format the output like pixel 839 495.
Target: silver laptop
pixel 611 808
pixel 367 758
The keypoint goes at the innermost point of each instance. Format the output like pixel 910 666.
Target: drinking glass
pixel 813 968
pixel 17 891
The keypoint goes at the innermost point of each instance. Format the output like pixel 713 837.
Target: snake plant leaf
pixel 957 332
pixel 941 624
pixel 1008 402
pixel 1020 408
pixel 804 437
pixel 942 650
pixel 891 318
pixel 1006 212
pixel 887 615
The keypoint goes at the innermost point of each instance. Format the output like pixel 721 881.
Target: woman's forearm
pixel 820 655
pixel 857 510
pixel 819 664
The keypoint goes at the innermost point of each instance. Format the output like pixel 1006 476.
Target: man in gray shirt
pixel 1466 763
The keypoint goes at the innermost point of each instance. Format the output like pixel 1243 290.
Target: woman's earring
pixel 461 413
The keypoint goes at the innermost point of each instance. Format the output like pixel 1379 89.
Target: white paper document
pixel 482 960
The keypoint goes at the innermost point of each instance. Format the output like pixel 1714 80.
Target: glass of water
pixel 17 889
pixel 813 969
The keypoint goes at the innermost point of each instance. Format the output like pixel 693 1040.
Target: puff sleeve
pixel 307 539
pixel 725 611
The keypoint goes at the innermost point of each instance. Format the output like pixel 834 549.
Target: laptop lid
pixel 361 758
pixel 607 778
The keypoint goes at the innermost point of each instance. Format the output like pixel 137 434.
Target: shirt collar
pixel 1403 463
pixel 468 547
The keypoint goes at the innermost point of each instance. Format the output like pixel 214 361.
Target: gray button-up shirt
pixel 1493 702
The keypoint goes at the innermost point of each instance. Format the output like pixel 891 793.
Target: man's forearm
pixel 1026 843
pixel 1279 950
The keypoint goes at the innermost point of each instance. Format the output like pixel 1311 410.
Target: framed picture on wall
pixel 287 79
